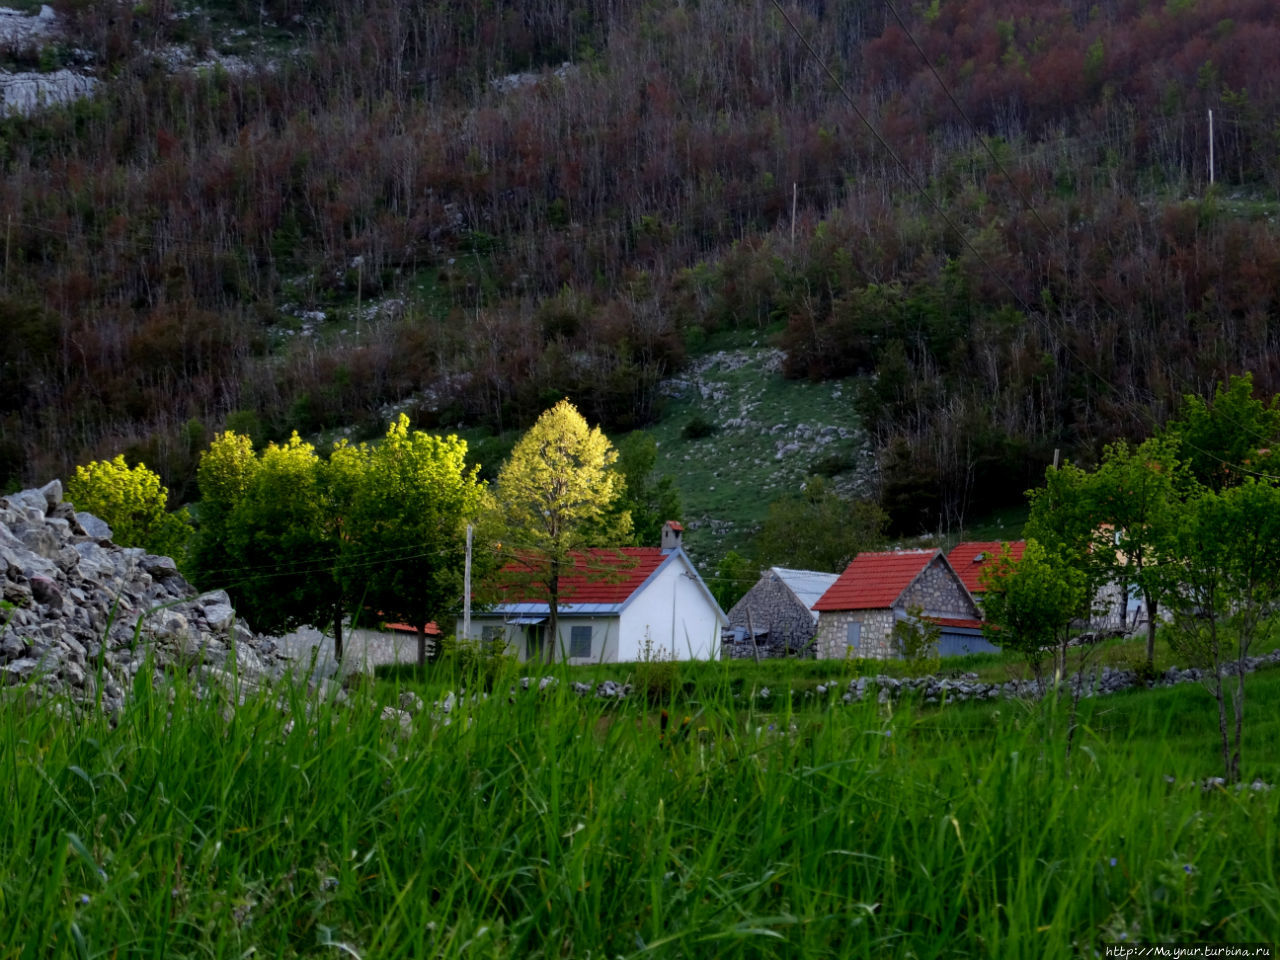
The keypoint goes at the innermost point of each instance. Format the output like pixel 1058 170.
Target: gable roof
pixel 875 581
pixel 603 581
pixel 972 557
pixel 807 585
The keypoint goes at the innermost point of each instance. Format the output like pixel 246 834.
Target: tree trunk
pixel 1222 721
pixel 422 646
pixel 1234 767
pixel 337 630
pixel 1151 627
pixel 553 613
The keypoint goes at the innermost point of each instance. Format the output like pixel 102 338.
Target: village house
pixel 775 618
pixel 617 605
pixel 857 613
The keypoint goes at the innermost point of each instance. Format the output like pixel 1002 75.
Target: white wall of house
pixel 675 614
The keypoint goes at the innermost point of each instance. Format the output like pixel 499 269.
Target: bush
pixel 698 428
pixel 478 664
pixel 657 673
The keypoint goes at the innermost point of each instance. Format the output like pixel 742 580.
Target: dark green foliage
pixel 817 529
pixel 698 428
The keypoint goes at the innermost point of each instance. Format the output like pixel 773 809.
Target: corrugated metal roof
pixel 807 585
pixel 972 557
pixel 875 581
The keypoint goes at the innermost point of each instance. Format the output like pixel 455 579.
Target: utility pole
pixel 1210 148
pixel 466 589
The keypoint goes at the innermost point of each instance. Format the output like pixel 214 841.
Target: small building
pixel 617 605
pixel 970 558
pixel 778 610
pixel 857 613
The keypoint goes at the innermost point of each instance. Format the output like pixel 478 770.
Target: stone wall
pixel 939 592
pixel 874 642
pixel 770 605
pixel 85 616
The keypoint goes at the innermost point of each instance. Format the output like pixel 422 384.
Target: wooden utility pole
pixel 466 589
pixel 1210 148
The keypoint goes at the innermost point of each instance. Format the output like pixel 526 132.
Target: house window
pixel 580 642
pixel 853 639
pixel 491 637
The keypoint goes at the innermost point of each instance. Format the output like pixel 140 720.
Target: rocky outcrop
pixel 83 617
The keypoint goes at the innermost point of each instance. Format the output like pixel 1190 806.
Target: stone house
pixel 779 611
pixel 857 613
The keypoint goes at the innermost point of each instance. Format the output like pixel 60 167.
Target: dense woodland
pixel 1028 256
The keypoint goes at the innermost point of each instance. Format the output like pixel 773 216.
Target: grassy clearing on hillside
pixel 559 827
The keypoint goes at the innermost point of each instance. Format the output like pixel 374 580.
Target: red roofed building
pixel 969 559
pixel 611 604
pixel 857 613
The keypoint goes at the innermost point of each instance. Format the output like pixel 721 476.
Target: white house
pixel 617 605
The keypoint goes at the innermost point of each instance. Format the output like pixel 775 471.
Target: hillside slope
pixel 494 206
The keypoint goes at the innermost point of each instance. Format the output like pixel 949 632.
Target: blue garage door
pixel 954 644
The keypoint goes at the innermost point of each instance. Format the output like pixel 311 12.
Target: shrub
pixel 698 428
pixel 657 673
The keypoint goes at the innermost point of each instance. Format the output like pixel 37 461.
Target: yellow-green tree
pixel 552 502
pixel 133 502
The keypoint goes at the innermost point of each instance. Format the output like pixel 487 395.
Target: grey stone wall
pixel 770 605
pixel 939 592
pixel 874 642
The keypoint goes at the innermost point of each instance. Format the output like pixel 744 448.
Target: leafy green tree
pixel 651 500
pixel 1029 604
pixel 915 638
pixel 270 529
pixel 1233 436
pixel 133 502
pixel 553 499
pixel 403 542
pixel 1224 583
pixel 1116 522
pixel 734 576
pixel 817 529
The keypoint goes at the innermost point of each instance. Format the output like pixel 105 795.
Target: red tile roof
pixel 431 630
pixel 956 622
pixel 971 558
pixel 875 581
pixel 602 575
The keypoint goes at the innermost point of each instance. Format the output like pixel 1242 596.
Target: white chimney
pixel 672 533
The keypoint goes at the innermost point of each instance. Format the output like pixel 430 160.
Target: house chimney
pixel 672 533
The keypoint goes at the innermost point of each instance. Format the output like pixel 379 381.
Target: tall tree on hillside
pixel 553 501
pixel 817 529
pixel 410 498
pixel 651 500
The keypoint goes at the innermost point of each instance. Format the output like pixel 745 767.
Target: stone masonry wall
pixel 874 642
pixel 937 591
pixel 770 605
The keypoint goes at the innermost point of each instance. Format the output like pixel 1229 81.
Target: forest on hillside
pixel 500 204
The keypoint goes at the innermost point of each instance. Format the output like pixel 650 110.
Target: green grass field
pixel 559 827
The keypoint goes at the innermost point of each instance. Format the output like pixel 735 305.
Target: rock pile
pixel 82 616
